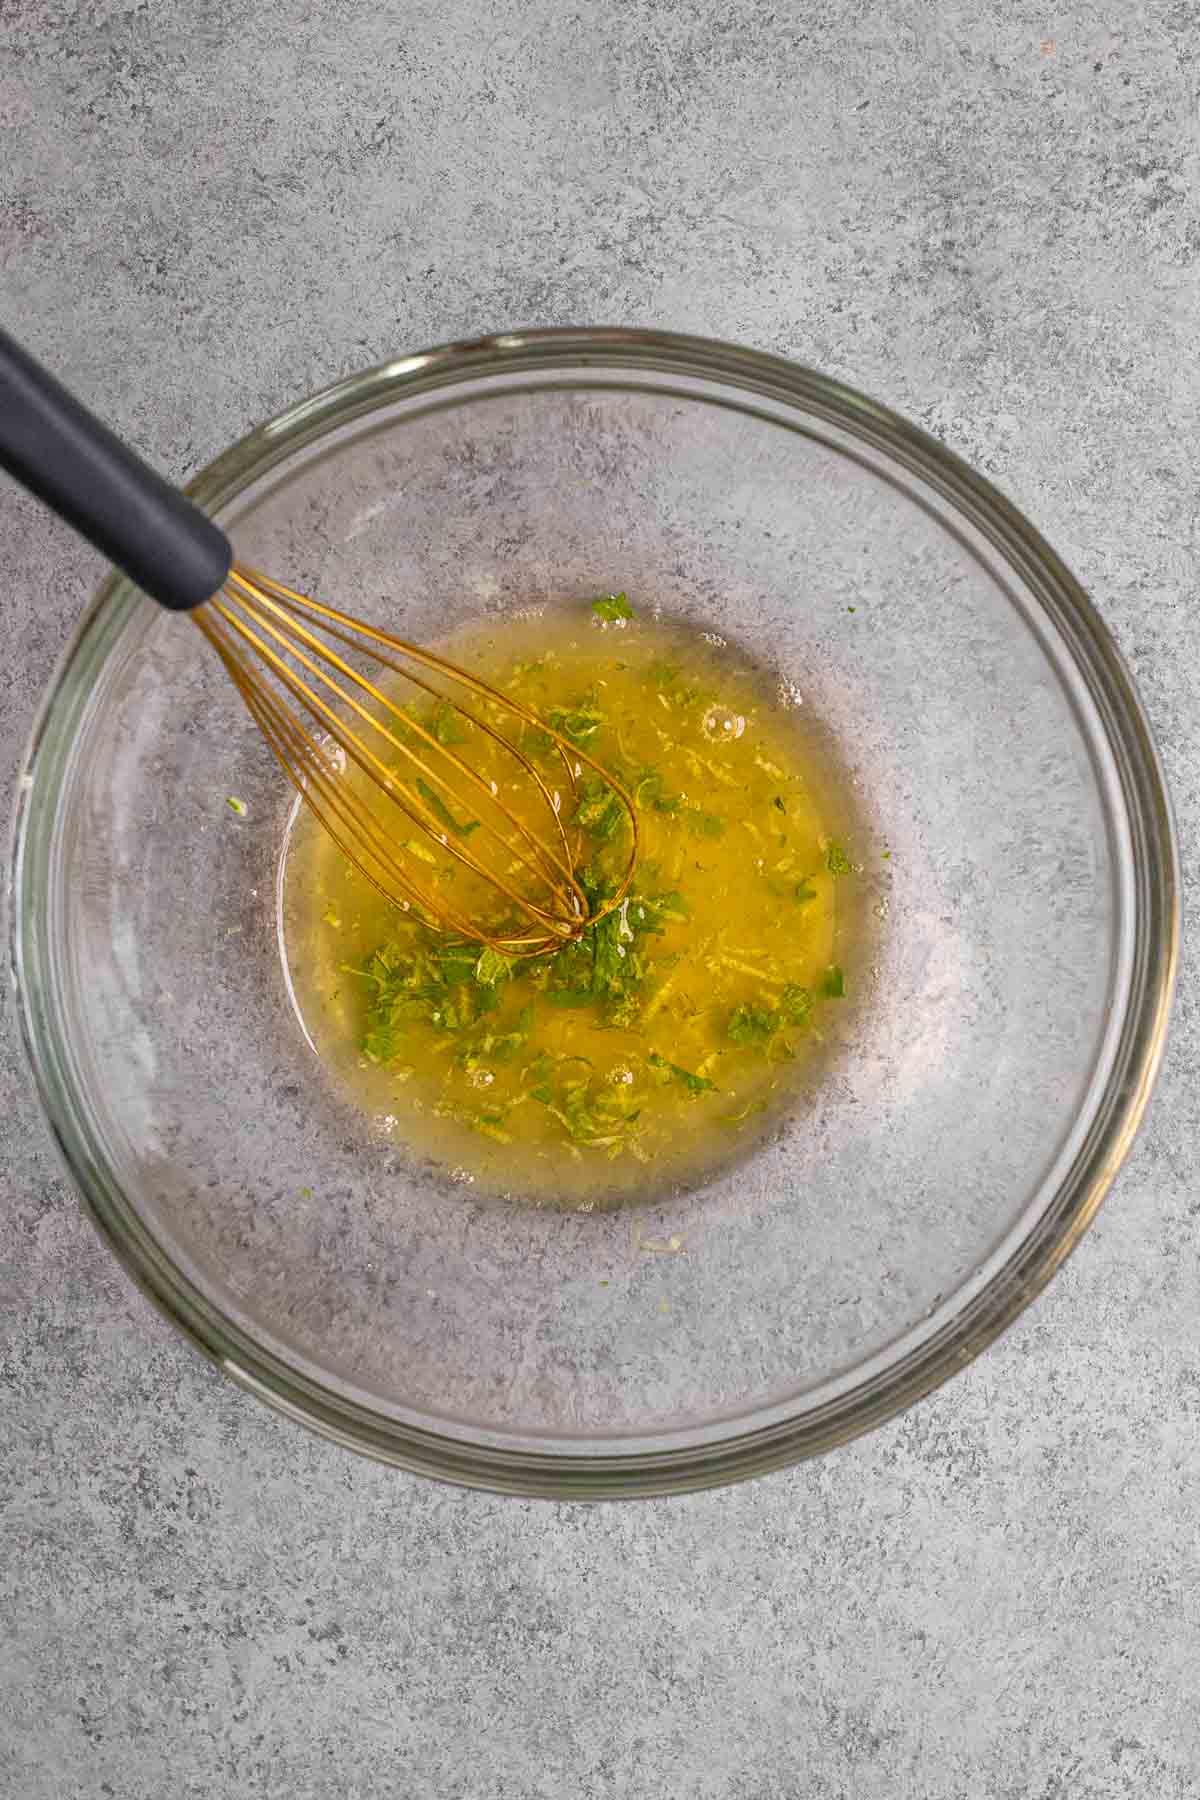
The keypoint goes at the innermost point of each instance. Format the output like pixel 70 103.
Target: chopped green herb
pixel 778 804
pixel 650 793
pixel 750 1024
pixel 607 965
pixel 796 1003
pixel 591 1111
pixel 455 962
pixel 833 983
pixel 654 912
pixel 615 969
pixel 442 812
pixel 497 1046
pixel 836 860
pixel 695 1084
pixel 236 805
pixel 804 892
pixel 492 967
pixel 489 1121
pixel 611 607
pixel 600 811
pixel 426 979
pixel 445 725
pixel 579 723
pixel 535 742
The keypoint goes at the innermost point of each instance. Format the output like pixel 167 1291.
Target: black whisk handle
pixel 73 463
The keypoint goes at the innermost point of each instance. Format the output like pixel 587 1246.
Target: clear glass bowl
pixel 1001 1054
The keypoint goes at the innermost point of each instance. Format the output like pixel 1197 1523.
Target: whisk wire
pixel 351 824
pixel 339 809
pixel 553 865
pixel 412 806
pixel 349 631
pixel 273 643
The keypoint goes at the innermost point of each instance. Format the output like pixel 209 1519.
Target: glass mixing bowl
pixel 1002 1047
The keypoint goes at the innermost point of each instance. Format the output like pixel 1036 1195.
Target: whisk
pixel 381 777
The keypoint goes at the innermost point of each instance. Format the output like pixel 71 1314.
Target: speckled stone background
pixel 990 218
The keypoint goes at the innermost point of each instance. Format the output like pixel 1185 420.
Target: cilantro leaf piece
pixel 650 792
pixel 492 967
pixel 442 812
pixel 695 1084
pixel 836 860
pixel 445 725
pixel 453 963
pixel 609 956
pixel 497 1046
pixel 591 1111
pixel 536 742
pixel 654 912
pixel 804 892
pixel 611 607
pixel 795 1003
pixel 833 983
pixel 428 979
pixel 750 1024
pixel 599 811
pixel 607 964
pixel 579 723
pixel 487 1120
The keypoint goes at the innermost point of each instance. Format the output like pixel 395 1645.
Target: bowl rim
pixel 856 1406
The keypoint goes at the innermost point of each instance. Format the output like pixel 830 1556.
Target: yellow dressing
pixel 689 1021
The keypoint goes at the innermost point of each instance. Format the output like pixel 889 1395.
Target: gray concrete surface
pixel 990 217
